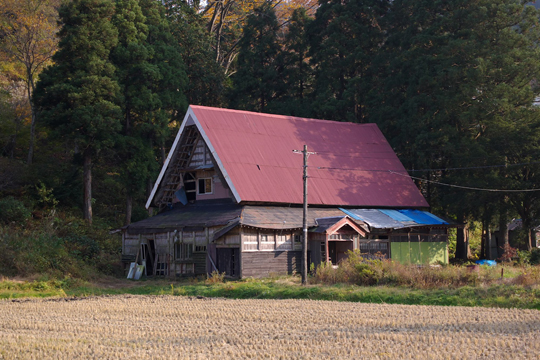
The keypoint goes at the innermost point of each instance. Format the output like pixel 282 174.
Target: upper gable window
pixel 205 186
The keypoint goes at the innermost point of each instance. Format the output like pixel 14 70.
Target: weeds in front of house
pixel 215 278
pixel 358 270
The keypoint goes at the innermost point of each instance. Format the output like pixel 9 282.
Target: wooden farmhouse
pixel 230 198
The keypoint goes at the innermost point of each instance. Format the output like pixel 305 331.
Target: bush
pixel 13 210
pixel 215 277
pixel 534 259
pixel 523 257
pixel 82 247
pixel 58 247
pixel 358 270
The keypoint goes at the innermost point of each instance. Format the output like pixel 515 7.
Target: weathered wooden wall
pixel 315 250
pixel 264 263
pixel 197 238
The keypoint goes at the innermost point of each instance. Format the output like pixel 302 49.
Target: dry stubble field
pixel 167 327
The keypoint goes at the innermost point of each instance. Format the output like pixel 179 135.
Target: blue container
pixel 486 262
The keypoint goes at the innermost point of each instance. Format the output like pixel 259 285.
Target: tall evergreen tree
pixel 451 77
pixel 345 36
pixel 297 73
pixel 258 82
pixel 134 74
pixel 77 95
pixel 152 79
pixel 205 77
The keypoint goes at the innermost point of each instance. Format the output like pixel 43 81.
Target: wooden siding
pixel 201 155
pixel 276 240
pixel 131 244
pixel 315 250
pixel 250 239
pixel 197 264
pixel 264 263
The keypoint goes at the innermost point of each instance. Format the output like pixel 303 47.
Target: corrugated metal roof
pixel 423 217
pixel 394 219
pixel 279 217
pixel 199 214
pixel 351 167
pixel 374 218
pixel 326 223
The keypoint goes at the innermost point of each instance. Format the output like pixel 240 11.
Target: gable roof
pixel 254 153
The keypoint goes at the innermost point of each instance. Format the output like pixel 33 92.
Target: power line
pixel 478 167
pixel 462 187
pixel 441 169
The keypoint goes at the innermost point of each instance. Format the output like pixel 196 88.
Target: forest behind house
pixel 92 93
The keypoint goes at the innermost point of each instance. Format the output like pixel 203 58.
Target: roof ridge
pixel 285 117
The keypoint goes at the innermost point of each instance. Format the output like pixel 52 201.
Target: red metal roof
pixel 351 167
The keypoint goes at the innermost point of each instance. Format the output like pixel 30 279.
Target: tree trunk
pixel 489 255
pixel 483 241
pixel 467 247
pixel 502 239
pixel 163 157
pixel 461 243
pixel 87 174
pixel 129 206
pixel 30 89
pixel 526 225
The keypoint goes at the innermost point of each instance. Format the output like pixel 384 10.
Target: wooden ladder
pixel 180 161
pixel 161 268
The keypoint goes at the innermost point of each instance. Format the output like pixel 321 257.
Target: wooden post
pixel 304 222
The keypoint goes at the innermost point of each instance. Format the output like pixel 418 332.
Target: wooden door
pixel 228 261
pixel 332 253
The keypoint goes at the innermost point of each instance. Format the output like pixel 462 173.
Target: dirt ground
pixel 172 327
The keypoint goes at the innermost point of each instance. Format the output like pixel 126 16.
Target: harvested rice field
pixel 172 327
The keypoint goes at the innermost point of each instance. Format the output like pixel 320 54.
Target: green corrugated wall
pixel 419 252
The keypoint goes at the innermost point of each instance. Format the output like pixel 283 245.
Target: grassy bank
pixel 495 295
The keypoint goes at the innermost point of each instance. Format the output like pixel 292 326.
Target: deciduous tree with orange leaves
pixel 28 41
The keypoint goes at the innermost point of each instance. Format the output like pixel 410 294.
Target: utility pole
pixel 304 222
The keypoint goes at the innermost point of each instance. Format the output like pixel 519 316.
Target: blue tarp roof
pixel 394 219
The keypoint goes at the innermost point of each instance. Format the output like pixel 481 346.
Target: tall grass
pixel 58 246
pixel 362 271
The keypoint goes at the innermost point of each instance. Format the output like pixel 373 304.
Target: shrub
pixel 356 269
pixel 523 257
pixel 508 253
pixel 534 259
pixel 82 246
pixel 215 277
pixel 13 210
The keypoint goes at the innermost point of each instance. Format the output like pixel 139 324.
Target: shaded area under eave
pixel 226 213
pixel 206 213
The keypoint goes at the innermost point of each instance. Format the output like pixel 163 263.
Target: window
pixel 267 241
pixel 283 241
pixel 200 248
pixel 190 186
pixel 183 251
pixel 323 251
pixel 374 249
pixel 205 186
pixel 343 237
pixel 297 238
